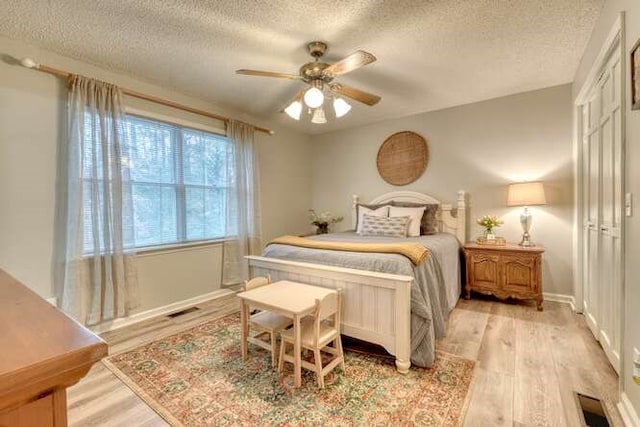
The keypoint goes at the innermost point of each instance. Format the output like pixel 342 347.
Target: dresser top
pixel 38 340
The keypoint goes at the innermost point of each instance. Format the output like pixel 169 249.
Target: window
pixel 179 182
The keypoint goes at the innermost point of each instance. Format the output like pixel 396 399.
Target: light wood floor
pixel 528 364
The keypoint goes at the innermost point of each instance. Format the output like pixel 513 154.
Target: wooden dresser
pixel 42 352
pixel 510 271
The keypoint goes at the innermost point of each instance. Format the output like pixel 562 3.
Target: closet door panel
pixel 593 308
pixel 611 213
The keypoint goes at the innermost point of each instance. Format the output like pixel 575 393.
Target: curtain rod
pixel 30 63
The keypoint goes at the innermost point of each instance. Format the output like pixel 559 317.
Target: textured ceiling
pixel 431 54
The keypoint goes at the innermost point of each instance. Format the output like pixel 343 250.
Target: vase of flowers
pixel 323 220
pixel 489 222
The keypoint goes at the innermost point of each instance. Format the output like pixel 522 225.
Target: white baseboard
pixel 53 301
pixel 158 311
pixel 567 299
pixel 627 412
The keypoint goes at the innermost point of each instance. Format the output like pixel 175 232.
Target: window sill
pixel 149 250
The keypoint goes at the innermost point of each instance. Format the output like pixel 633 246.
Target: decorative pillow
pixel 373 225
pixel 415 215
pixel 376 210
pixel 428 224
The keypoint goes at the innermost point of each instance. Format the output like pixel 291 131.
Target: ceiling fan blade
pixel 355 94
pixel 358 59
pixel 268 74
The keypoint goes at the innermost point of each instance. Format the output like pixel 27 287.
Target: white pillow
pixel 414 213
pixel 381 211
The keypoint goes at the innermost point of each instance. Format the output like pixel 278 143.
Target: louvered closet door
pixel 602 207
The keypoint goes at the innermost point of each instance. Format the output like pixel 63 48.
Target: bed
pixel 388 300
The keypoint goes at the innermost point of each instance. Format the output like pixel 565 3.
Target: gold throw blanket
pixel 412 250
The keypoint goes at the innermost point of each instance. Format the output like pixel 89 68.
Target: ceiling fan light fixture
pixel 314 97
pixel 341 107
pixel 294 110
pixel 320 77
pixel 318 116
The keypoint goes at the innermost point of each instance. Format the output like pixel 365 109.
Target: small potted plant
pixel 323 220
pixel 489 222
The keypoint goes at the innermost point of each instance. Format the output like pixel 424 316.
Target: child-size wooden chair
pixel 265 322
pixel 317 332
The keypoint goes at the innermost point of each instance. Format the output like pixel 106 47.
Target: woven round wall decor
pixel 403 158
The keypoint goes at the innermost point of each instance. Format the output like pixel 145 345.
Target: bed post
pixel 461 229
pixel 354 210
pixel 403 327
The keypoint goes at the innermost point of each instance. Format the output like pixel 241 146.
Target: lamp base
pixel 526 240
pixel 525 221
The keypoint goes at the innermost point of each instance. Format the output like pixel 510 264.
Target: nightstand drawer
pixel 520 273
pixel 484 269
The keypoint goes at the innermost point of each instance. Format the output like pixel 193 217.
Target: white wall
pixel 480 148
pixel 166 277
pixel 285 185
pixel 608 16
pixel 32 122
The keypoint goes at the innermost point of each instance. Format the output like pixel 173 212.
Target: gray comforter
pixel 435 290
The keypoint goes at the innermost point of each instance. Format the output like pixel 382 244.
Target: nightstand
pixel 509 271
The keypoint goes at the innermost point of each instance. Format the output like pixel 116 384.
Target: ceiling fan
pixel 320 76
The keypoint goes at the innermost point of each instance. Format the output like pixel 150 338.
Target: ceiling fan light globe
pixel 341 107
pixel 294 109
pixel 313 97
pixel 318 117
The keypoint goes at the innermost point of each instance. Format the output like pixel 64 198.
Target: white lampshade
pixel 313 97
pixel 294 109
pixel 318 116
pixel 526 194
pixel 341 107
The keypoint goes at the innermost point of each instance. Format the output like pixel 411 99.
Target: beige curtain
pixel 243 222
pixel 98 280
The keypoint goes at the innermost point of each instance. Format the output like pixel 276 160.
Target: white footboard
pixel 376 306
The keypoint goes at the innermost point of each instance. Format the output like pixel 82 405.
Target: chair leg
pixel 283 346
pixel 318 360
pixel 338 344
pixel 274 348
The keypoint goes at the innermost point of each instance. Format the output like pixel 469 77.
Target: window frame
pixel 178 126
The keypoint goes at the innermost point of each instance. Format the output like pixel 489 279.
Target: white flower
pixel 325 218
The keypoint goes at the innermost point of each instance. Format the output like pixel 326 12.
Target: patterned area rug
pixel 197 377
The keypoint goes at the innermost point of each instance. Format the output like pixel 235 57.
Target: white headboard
pixel 450 219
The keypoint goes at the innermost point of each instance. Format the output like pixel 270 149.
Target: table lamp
pixel 526 194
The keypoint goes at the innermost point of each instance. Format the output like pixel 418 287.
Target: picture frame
pixel 635 76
